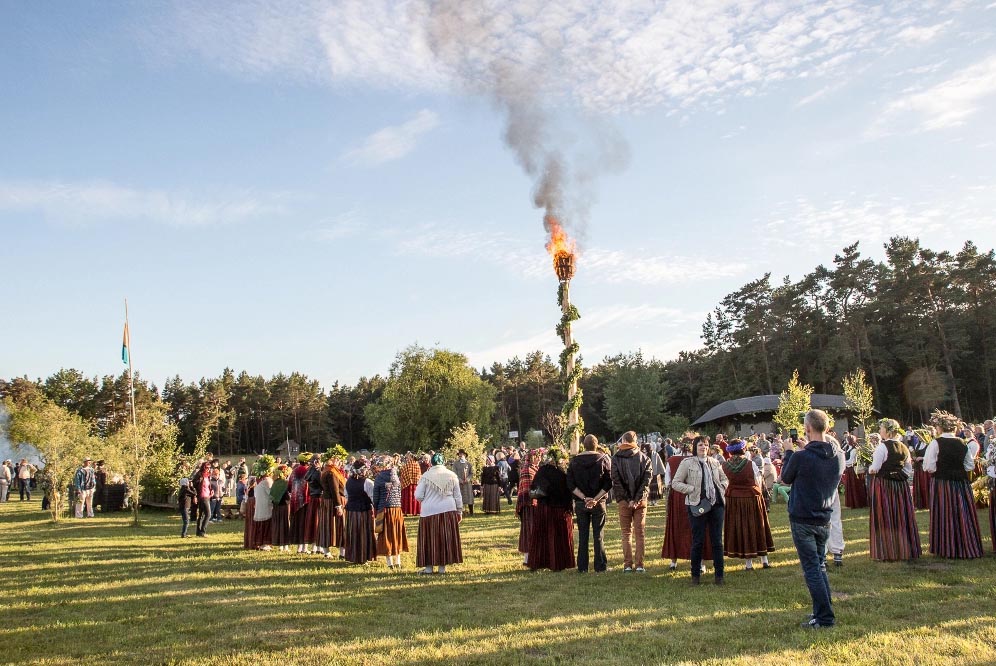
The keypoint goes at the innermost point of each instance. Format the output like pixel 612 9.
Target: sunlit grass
pixel 100 591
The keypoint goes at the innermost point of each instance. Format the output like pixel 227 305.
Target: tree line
pixel 921 325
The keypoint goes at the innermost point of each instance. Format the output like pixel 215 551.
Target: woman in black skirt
pixel 360 544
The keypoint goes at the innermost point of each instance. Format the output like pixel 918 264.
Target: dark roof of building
pixel 760 404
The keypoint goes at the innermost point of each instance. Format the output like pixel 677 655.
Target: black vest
pixel 892 468
pixel 951 459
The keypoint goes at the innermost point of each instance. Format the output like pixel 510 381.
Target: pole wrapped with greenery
pixel 571 370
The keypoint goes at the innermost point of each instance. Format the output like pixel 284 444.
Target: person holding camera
pixel 703 483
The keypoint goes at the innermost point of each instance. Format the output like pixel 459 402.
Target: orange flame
pixel 561 247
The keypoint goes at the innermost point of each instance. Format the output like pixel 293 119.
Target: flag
pixel 125 345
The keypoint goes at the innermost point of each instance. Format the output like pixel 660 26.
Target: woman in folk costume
pixel 746 531
pixel 524 504
pixel 551 542
pixel 991 475
pixel 360 544
pixel 314 478
pixel 465 474
pixel 392 540
pixel 921 480
pixel 855 493
pixel 439 523
pixel 490 486
pixel 280 495
pixel 248 512
pixel 299 499
pixel 409 475
pixel 893 531
pixel 331 510
pixel 954 525
pixel 656 472
pixel 677 528
pixel 263 508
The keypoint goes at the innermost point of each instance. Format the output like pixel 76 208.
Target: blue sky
pixel 316 188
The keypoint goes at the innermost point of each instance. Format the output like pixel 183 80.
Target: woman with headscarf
pixel 746 531
pixel 893 531
pixel 392 540
pixel 439 523
pixel 954 525
pixel 299 500
pixel 490 486
pixel 524 504
pixel 409 475
pixel 360 544
pixel 280 496
pixel 551 543
pixel 677 528
pixel 263 508
pixel 332 510
pixel 465 473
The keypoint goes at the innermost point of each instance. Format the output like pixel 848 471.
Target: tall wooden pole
pixel 572 387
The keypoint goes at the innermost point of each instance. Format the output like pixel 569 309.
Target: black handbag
pixel 702 508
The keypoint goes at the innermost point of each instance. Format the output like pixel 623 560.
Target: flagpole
pixel 131 378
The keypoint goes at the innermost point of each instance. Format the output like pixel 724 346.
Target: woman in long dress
pixel 299 499
pixel 855 493
pixel 360 544
pixel 393 538
pixel 893 532
pixel 524 504
pixel 954 524
pixel 280 495
pixel 332 510
pixel 409 475
pixel 921 480
pixel 439 523
pixel 551 543
pixel 263 512
pixel 746 531
pixel 490 486
pixel 465 474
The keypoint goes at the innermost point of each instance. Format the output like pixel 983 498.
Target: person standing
pixel 6 476
pixel 218 484
pixel 504 476
pixel 393 537
pixel 84 481
pixel 746 531
pixel 465 473
pixel 490 487
pixel 280 522
pixel 24 472
pixel 409 474
pixel 185 501
pixel 991 474
pixel 202 486
pixel 589 478
pixel 892 527
pixel 300 497
pixel 814 472
pixel 360 544
pixel 855 493
pixel 524 504
pixel 677 528
pixel 262 509
pixel 551 543
pixel 441 498
pixel 954 524
pixel 630 487
pixel 703 483
pixel 921 480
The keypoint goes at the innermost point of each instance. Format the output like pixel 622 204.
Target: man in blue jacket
pixel 814 473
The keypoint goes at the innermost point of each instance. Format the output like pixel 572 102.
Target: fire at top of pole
pixel 561 247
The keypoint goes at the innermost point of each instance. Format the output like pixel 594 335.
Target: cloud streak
pixel 394 142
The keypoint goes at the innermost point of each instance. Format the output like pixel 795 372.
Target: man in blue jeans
pixel 589 480
pixel 814 472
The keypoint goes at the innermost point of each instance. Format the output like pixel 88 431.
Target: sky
pixel 316 186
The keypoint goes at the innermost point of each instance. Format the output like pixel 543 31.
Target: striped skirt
pixel 490 495
pixel 249 525
pixel 409 505
pixel 261 533
pixel 746 531
pixel 855 494
pixel 439 540
pixel 280 531
pixel 551 542
pixel 360 544
pixel 330 526
pixel 893 531
pixel 297 522
pixel 311 520
pixel 921 487
pixel 954 524
pixel 394 539
pixel 525 526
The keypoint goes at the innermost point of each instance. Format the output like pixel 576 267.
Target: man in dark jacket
pixel 589 479
pixel 814 472
pixel 630 487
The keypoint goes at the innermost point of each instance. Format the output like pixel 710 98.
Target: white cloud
pixel 392 143
pixel 606 56
pixel 78 203
pixel 946 104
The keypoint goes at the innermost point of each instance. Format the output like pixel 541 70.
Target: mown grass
pixel 99 591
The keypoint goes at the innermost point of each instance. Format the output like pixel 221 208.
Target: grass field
pixel 98 591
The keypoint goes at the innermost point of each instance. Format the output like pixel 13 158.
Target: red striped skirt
pixel 360 544
pixel 297 522
pixel 525 525
pixel 894 534
pixel 330 526
pixel 921 487
pixel 551 540
pixel 261 533
pixel 746 531
pixel 280 525
pixel 855 495
pixel 678 531
pixel 954 524
pixel 249 525
pixel 409 505
pixel 311 520
pixel 394 539
pixel 439 540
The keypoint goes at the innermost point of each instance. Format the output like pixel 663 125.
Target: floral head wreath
pixel 946 421
pixel 892 425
